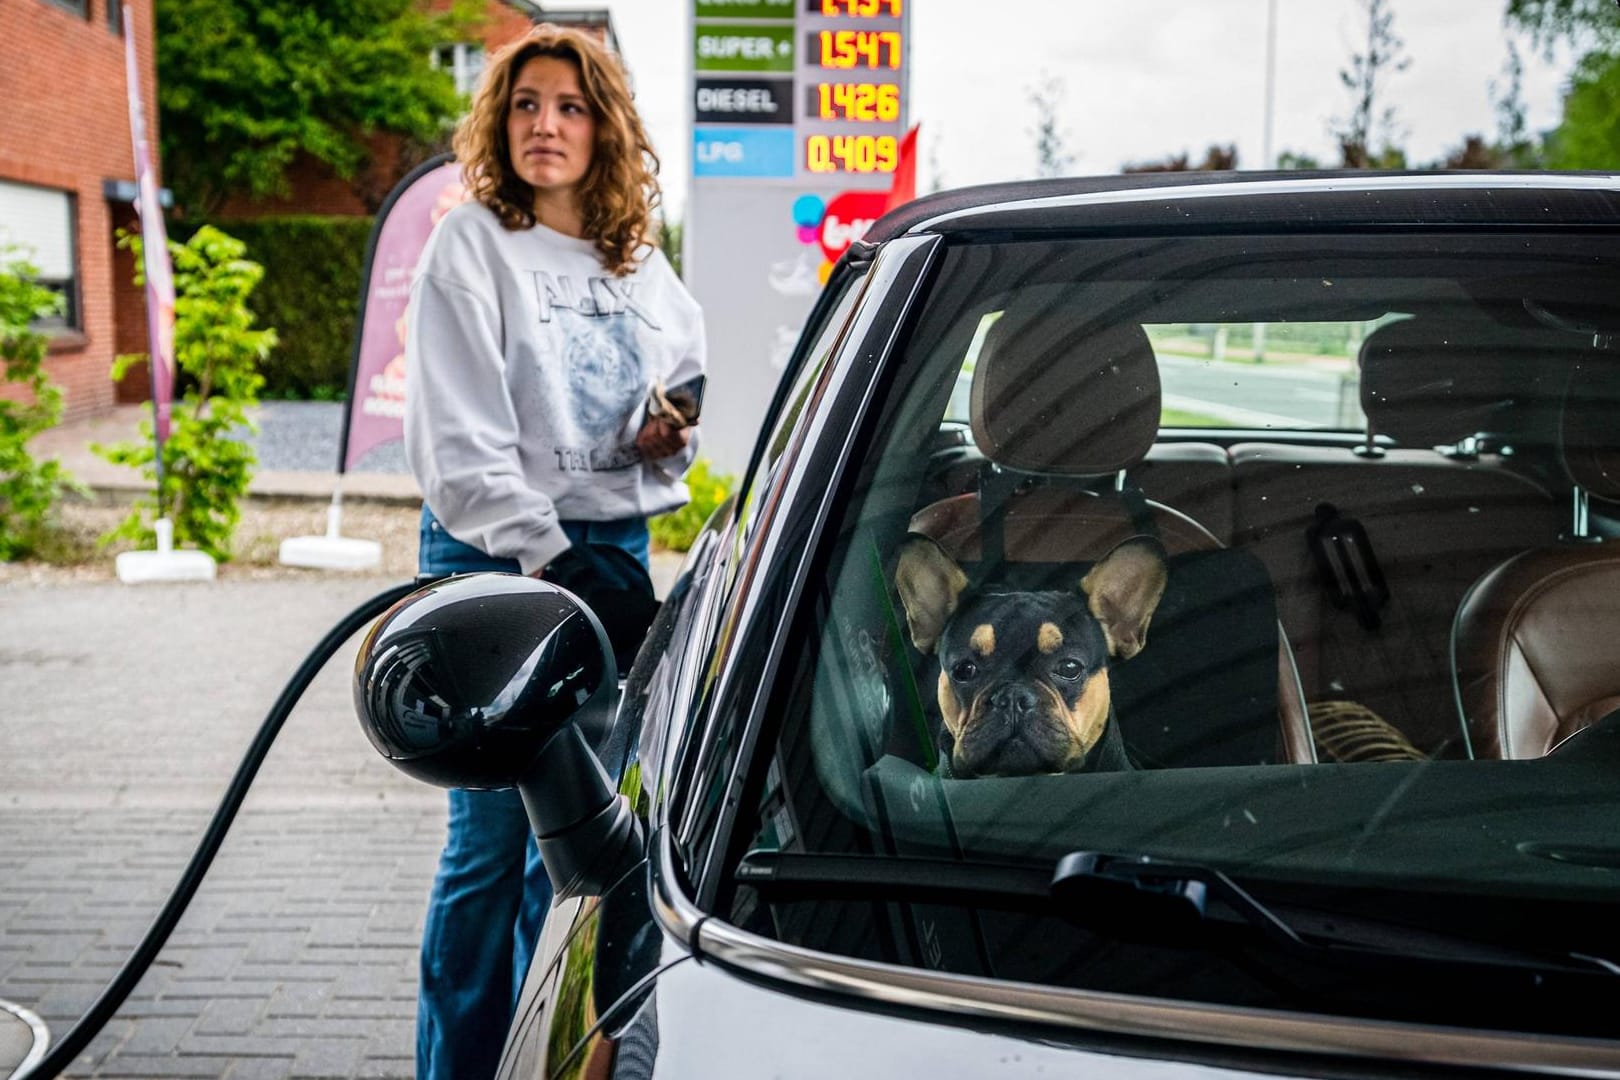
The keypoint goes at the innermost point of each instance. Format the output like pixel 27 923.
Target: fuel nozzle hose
pixel 61 1055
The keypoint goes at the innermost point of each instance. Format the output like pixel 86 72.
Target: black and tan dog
pixel 1023 681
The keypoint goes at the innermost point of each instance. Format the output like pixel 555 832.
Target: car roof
pixel 1286 201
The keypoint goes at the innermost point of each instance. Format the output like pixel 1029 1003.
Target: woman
pixel 540 320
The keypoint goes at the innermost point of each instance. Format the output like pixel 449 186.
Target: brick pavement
pixel 126 710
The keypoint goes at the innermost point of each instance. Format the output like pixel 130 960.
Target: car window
pixel 1196 579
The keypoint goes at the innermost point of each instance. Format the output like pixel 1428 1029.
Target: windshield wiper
pixel 1142 899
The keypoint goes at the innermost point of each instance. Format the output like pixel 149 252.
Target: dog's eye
pixel 964 670
pixel 1070 669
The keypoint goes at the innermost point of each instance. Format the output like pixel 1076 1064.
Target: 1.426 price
pixel 856 101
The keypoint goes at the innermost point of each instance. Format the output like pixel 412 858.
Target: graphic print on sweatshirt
pixel 601 360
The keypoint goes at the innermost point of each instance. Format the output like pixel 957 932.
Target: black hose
pixel 78 1037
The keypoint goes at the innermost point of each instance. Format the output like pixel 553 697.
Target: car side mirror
pixel 496 681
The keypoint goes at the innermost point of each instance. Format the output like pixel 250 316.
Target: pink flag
pixel 376 412
pixel 154 250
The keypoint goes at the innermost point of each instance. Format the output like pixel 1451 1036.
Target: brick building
pixel 67 168
pixel 67 174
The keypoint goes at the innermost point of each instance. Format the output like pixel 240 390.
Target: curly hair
pixel 619 190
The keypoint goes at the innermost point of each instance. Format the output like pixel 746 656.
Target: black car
pixel 1170 626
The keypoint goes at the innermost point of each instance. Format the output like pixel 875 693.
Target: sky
pixel 1141 79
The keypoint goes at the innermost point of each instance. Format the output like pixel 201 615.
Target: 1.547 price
pixel 858 48
pixel 856 101
pixel 851 153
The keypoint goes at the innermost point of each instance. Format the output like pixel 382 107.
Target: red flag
pixel 904 188
pixel 154 250
pixel 376 413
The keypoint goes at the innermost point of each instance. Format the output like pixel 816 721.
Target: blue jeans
pixel 490 895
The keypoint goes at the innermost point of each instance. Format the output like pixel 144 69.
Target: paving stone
pixel 297 956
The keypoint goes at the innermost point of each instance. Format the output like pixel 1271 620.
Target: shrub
pixel 29 489
pixel 310 294
pixel 677 529
pixel 206 463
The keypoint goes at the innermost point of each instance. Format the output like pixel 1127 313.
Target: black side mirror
pixel 497 681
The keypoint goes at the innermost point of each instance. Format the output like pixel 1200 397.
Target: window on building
pixel 115 16
pixel 39 221
pixel 464 62
pixel 78 7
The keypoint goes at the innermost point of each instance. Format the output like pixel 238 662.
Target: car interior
pixel 1375 625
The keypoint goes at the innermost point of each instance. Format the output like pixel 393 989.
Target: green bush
pixel 28 488
pixel 310 294
pixel 677 529
pixel 206 463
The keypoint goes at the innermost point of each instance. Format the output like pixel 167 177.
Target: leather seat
pixel 1536 642
pixel 1061 408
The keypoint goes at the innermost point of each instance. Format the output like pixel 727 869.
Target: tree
pixel 245 87
pixel 1366 78
pixel 1586 24
pixel 1216 158
pixel 1050 157
pixel 1588 136
pixel 207 465
pixel 29 488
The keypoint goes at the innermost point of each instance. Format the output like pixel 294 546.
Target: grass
pixel 1184 418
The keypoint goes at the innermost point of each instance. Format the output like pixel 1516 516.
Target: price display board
pixel 798 109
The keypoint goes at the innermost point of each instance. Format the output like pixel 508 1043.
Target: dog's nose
pixel 1013 699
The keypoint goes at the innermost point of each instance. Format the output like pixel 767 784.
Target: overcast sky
pixel 1142 79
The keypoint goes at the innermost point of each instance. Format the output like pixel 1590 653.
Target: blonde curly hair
pixel 620 189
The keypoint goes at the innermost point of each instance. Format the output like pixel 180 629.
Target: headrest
pixel 1053 394
pixel 1433 382
pixel 1591 427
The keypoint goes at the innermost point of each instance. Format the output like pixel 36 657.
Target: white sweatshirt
pixel 527 372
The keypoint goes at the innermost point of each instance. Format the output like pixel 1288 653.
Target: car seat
pixel 1536 641
pixel 1063 409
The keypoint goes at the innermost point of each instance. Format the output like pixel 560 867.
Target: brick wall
pixel 66 126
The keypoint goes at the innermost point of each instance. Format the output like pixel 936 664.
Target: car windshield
pixel 1274 557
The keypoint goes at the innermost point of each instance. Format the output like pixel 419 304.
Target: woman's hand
pixel 658 438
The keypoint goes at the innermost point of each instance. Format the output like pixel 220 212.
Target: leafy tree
pixel 206 463
pixel 1051 159
pixel 1366 78
pixel 1216 158
pixel 1588 136
pixel 1585 24
pixel 247 86
pixel 1288 159
pixel 671 238
pixel 29 488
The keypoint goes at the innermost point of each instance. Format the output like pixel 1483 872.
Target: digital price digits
pixel 859 48
pixel 861 9
pixel 852 153
pixel 857 101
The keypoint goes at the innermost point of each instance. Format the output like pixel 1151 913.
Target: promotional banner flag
pixel 376 412
pixel 154 254
pixel 904 188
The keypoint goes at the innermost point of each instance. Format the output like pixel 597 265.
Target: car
pixel 1305 487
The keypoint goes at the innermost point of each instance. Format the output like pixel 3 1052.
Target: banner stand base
pixel 332 551
pixel 164 564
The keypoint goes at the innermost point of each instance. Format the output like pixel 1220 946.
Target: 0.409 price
pixel 851 153
pixel 856 101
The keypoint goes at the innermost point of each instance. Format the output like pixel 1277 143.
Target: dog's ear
pixel 1123 590
pixel 929 583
